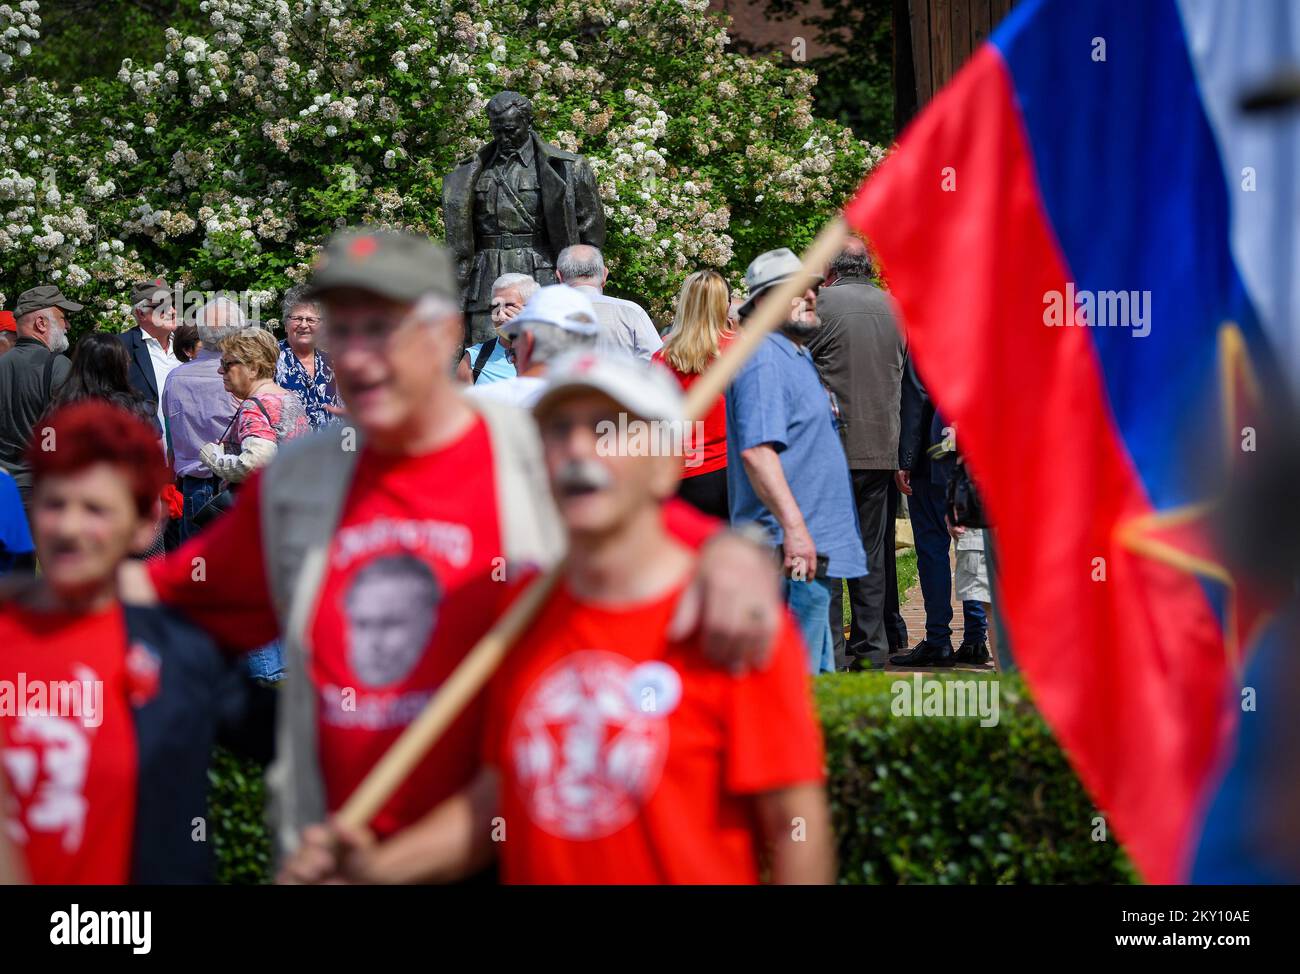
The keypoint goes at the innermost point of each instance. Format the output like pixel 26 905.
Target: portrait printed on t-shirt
pixel 392 608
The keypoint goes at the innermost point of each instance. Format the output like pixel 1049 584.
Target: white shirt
pixel 164 360
pixel 522 391
pixel 624 325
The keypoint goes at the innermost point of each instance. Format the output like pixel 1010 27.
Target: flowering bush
pixel 223 160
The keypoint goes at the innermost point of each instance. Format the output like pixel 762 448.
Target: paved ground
pixel 914 615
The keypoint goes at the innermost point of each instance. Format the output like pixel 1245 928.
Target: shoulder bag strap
pixel 484 353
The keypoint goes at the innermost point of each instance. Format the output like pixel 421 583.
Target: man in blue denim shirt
pixel 786 469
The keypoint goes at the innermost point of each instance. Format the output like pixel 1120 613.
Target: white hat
pixel 643 389
pixel 558 305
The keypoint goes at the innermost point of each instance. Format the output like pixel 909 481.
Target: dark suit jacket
pixel 141 365
pixel 204 698
pixel 920 427
pixel 916 414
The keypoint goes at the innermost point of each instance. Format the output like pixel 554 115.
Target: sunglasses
pixel 228 364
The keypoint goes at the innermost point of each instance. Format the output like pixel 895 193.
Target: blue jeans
pixel 810 603
pixel 266 665
pixel 926 507
pixel 196 491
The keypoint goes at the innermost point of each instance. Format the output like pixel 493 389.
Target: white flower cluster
pixel 229 154
pixel 18 28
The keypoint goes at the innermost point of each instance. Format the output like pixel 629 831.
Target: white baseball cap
pixel 558 305
pixel 642 388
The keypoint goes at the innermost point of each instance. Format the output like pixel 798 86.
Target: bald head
pixel 581 264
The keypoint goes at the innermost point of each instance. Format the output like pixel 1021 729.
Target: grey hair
pixel 579 262
pixel 852 263
pixel 432 306
pixel 551 341
pixel 293 297
pixel 522 283
pixel 226 309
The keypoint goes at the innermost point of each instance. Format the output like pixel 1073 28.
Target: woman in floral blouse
pixel 302 367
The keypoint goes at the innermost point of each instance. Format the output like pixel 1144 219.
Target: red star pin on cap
pixel 363 247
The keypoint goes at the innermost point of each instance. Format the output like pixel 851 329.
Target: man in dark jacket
pixel 31 373
pixel 149 343
pixel 512 207
pixel 925 481
pixel 859 353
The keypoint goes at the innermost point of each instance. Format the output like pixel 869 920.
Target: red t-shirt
pixel 67 744
pixel 628 759
pixel 425 531
pixel 407 591
pixel 711 454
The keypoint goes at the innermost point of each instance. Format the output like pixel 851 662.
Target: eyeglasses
pixel 228 364
pixel 302 320
pixel 375 333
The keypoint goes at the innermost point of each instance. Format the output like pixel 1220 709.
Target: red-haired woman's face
pixel 84 524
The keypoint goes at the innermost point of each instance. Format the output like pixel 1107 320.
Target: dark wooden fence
pixel 932 39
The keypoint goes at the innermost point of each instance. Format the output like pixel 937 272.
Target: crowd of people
pixel 288 546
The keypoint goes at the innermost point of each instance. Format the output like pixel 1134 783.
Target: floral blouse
pixel 316 392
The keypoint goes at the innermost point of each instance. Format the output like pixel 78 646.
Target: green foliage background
pixel 944 800
pixel 218 142
pixel 931 800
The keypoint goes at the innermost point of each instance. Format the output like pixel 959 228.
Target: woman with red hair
pixel 108 714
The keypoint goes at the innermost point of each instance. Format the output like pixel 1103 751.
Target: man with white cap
pixel 556 319
pixel 614 753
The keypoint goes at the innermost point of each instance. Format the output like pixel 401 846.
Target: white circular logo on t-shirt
pixel 654 689
pixel 585 756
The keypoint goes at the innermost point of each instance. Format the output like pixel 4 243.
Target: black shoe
pixel 925 653
pixel 976 654
pixel 860 664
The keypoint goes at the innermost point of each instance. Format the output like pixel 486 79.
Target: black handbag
pixel 220 502
pixel 963 502
pixel 224 499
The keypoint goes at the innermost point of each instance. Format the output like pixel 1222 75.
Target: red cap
pixel 7 322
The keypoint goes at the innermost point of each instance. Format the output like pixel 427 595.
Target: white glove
pixel 235 467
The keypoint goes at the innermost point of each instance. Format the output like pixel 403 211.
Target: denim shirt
pixel 778 399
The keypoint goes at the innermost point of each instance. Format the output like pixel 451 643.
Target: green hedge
pixel 945 800
pixel 915 800
pixel 236 800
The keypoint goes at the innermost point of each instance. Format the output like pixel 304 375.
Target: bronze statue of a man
pixel 513 206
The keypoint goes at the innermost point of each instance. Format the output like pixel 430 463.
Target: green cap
pixel 39 298
pixel 398 266
pixel 150 291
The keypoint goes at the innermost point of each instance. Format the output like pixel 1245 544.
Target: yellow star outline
pixel 1153 535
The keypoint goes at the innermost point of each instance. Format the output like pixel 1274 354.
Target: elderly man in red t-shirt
pixel 613 753
pixel 420 491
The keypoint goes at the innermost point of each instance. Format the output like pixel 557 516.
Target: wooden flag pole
pixel 478 666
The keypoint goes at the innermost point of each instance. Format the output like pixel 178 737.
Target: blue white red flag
pixel 1096 256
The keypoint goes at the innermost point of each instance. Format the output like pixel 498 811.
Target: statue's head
pixel 510 115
